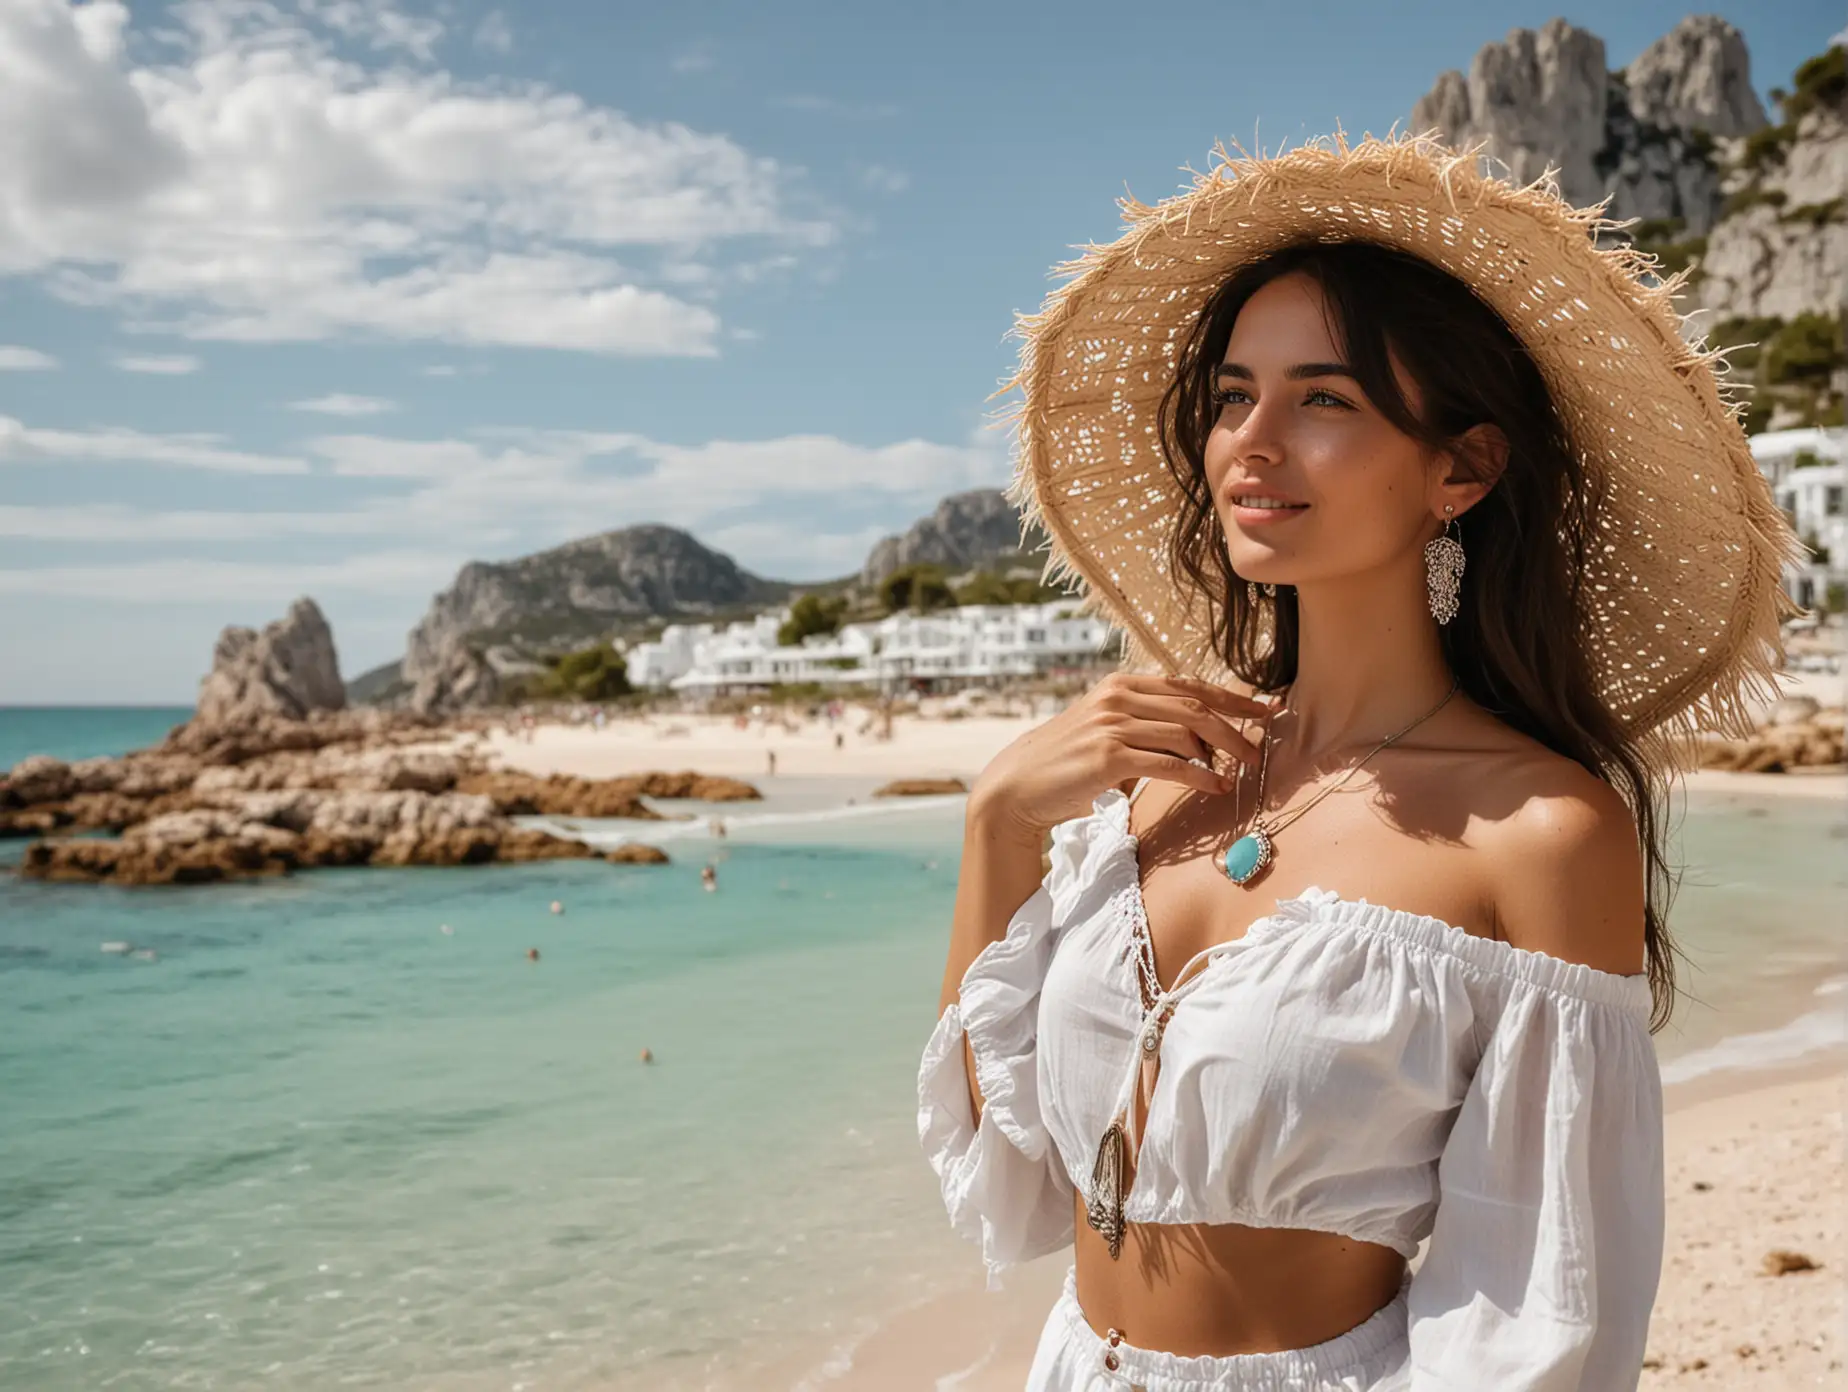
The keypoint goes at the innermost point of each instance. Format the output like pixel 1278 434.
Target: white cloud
pixel 16 359
pixel 494 34
pixel 24 444
pixel 562 476
pixel 160 365
pixel 343 404
pixel 380 27
pixel 252 582
pixel 498 492
pixel 252 180
pixel 112 522
pixel 697 59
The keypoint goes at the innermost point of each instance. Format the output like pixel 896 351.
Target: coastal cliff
pixel 1756 213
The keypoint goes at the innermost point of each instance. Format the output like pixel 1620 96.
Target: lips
pixel 1257 507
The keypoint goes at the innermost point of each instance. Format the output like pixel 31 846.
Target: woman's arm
pixel 1000 871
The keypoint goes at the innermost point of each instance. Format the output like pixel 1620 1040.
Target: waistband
pixel 1369 1350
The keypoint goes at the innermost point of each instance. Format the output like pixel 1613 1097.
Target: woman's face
pixel 1294 429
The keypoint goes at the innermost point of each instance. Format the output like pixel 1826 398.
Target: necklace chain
pixel 1271 828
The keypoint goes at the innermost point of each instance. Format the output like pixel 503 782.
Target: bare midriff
pixel 1220 1289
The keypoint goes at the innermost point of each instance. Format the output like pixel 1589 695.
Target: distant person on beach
pixel 772 762
pixel 1334 924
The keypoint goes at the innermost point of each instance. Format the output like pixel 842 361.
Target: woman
pixel 1432 543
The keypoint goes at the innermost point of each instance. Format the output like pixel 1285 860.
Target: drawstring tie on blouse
pixel 1116 1150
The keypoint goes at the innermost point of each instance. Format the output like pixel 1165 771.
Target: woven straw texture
pixel 1685 598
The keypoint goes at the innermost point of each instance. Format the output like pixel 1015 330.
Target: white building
pixel 1805 469
pixel 971 645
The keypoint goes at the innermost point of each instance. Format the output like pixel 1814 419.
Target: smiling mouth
pixel 1268 504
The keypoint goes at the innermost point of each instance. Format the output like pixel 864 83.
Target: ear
pixel 1471 466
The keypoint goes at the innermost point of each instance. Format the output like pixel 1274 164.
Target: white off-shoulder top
pixel 1345 1067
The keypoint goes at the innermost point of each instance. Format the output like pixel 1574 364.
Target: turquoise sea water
pixel 78 732
pixel 315 1140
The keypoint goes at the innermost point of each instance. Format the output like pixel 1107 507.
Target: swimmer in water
pixel 709 878
pixel 532 954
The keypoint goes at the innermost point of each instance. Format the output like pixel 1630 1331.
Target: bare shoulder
pixel 1567 874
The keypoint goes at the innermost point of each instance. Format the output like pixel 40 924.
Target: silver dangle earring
pixel 1444 569
pixel 1253 589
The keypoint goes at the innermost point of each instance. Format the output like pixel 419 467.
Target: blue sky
pixel 327 297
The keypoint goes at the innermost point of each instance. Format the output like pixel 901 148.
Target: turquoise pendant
pixel 1246 857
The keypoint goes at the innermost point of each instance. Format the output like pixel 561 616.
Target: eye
pixel 1230 396
pixel 1321 396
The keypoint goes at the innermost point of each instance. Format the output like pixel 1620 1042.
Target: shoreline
pixel 920 747
pixel 1718 1321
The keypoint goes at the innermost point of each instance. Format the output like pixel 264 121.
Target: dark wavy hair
pixel 1517 643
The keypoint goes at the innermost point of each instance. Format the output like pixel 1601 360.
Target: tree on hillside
pixel 596 673
pixel 989 587
pixel 920 586
pixel 811 614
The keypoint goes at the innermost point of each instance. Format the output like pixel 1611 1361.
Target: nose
pixel 1256 439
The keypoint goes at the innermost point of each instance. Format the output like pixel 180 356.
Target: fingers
pixel 1213 729
pixel 1162 737
pixel 1147 764
pixel 1221 698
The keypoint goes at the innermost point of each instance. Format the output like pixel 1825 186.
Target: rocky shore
pixel 274 773
pixel 271 795
pixel 1798 732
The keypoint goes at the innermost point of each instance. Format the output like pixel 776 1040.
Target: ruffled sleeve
pixel 1003 1182
pixel 1547 1246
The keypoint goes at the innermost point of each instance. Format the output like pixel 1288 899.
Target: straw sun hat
pixel 1685 599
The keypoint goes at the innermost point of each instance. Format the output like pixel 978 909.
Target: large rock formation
pixel 287 671
pixel 498 620
pixel 1645 135
pixel 238 835
pixel 977 528
pixel 1758 214
pixel 1782 250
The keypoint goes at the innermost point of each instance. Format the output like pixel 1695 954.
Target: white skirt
pixel 1073 1357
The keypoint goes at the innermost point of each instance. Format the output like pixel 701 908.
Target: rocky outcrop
pixel 978 528
pixel 1795 734
pixel 561 795
pixel 498 620
pixel 288 670
pixel 1783 249
pixel 462 678
pixel 1645 135
pixel 207 742
pixel 241 835
pixel 921 787
pixel 696 787
pixel 1698 76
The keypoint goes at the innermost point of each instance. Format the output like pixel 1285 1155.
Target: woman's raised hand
pixel 1125 727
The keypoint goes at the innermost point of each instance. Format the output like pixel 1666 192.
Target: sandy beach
pixel 919 747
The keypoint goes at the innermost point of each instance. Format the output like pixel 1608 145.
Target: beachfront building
pixel 975 645
pixel 1805 469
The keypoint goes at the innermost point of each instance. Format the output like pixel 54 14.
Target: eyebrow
pixel 1296 374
